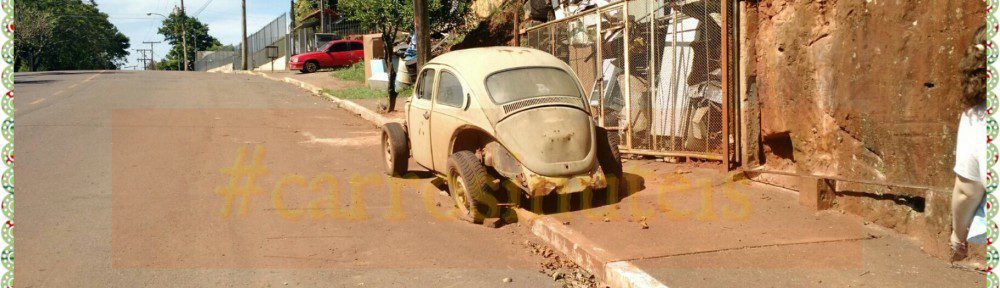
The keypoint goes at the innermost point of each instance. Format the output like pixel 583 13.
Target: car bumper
pixel 538 185
pixel 296 65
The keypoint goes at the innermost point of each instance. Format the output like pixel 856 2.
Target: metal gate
pixel 655 72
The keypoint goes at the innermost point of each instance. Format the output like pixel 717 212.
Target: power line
pixel 203 6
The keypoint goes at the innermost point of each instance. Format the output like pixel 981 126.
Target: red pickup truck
pixel 334 54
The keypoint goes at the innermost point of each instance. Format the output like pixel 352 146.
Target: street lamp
pixel 175 33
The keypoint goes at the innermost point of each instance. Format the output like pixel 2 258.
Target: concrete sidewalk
pixel 689 227
pixel 324 80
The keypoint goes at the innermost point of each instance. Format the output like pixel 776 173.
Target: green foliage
pixel 391 17
pixel 354 72
pixel 365 93
pixel 198 39
pixel 305 7
pixel 355 93
pixel 66 35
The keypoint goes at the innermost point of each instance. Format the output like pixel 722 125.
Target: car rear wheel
pixel 468 183
pixel 395 149
pixel 310 67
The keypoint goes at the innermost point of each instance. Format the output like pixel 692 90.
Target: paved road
pixel 130 179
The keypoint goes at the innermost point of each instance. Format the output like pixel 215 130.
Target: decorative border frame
pixel 7 129
pixel 992 129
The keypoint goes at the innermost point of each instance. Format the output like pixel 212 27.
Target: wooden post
pixel 726 162
pixel 420 24
pixel 184 41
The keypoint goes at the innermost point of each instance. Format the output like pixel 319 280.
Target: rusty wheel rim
pixel 460 193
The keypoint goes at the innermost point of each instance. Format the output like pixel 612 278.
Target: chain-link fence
pixel 653 71
pixel 215 59
pixel 273 34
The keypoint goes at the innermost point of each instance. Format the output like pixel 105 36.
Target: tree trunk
pixel 17 63
pixel 32 63
pixel 389 41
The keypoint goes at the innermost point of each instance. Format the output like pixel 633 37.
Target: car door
pixel 357 52
pixel 339 54
pixel 419 119
pixel 449 105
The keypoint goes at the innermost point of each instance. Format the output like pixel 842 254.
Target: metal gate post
pixel 651 45
pixel 725 85
pixel 628 77
pixel 600 67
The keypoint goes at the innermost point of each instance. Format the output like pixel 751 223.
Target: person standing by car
pixel 968 198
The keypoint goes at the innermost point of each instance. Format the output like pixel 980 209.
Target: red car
pixel 334 54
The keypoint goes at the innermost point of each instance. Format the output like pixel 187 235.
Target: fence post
pixel 628 76
pixel 725 85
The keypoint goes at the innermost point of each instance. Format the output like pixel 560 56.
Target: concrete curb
pixel 596 260
pixel 361 111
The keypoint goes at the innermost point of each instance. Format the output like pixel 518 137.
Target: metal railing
pixel 653 71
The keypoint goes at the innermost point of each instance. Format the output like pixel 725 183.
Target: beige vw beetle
pixel 482 116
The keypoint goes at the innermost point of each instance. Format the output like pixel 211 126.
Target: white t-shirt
pixel 970 162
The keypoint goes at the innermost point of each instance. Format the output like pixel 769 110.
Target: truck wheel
pixel 610 158
pixel 468 182
pixel 310 67
pixel 395 149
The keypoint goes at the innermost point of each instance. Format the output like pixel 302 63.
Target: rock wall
pixel 864 89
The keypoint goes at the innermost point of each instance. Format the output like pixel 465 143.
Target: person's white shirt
pixel 970 163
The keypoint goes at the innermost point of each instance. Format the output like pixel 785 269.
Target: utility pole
pixel 243 46
pixel 143 59
pixel 184 43
pixel 420 25
pixel 322 16
pixel 151 57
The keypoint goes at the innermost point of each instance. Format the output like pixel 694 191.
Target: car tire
pixel 395 149
pixel 468 183
pixel 609 157
pixel 310 67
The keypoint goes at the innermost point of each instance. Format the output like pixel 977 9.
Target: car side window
pixel 450 90
pixel 357 46
pixel 339 47
pixel 426 84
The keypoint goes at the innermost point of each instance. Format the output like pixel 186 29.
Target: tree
pixel 66 35
pixel 391 17
pixel 197 35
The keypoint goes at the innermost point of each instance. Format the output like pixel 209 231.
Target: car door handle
pixel 427 115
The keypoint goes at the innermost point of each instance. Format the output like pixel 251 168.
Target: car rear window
pixel 524 83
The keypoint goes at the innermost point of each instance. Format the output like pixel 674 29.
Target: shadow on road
pixel 29 82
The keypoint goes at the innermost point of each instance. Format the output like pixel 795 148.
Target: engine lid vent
pixel 522 104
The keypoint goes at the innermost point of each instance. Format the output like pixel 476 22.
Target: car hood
pixel 308 55
pixel 551 141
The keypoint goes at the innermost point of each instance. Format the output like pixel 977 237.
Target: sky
pixel 222 17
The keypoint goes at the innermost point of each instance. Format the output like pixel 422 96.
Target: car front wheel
pixel 310 67
pixel 468 183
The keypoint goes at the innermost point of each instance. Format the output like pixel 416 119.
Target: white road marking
pixel 37 101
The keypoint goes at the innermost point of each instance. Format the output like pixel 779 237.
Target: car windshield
pixel 524 83
pixel 326 47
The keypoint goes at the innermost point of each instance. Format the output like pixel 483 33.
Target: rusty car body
pixel 480 116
